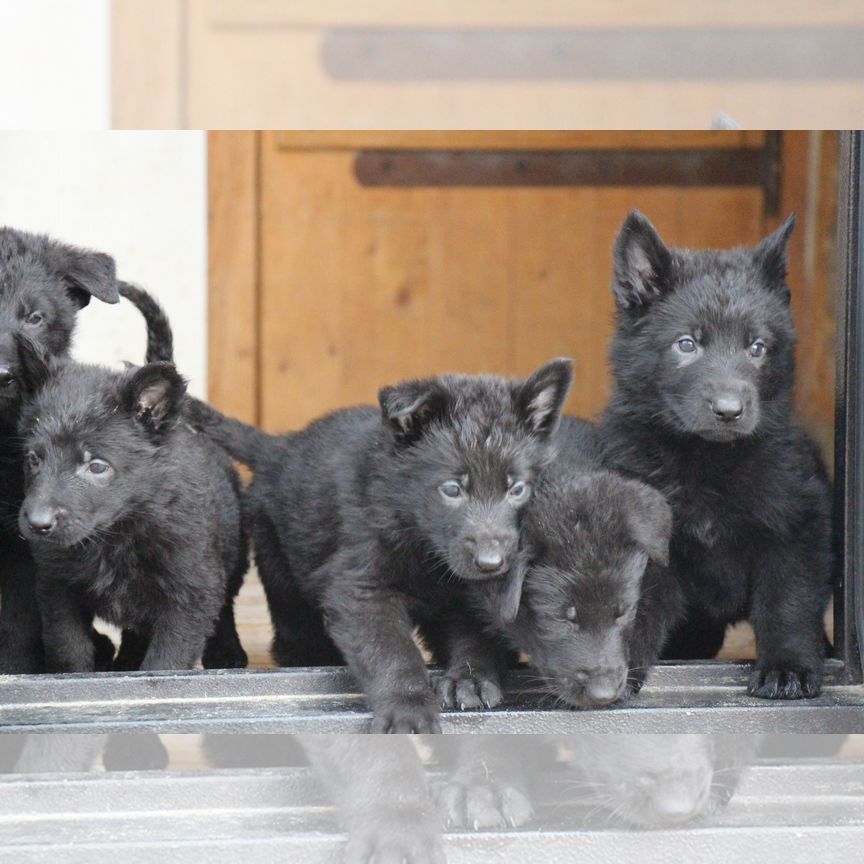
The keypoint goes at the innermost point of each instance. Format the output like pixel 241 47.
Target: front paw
pixel 779 683
pixel 468 691
pixel 408 715
pixel 483 806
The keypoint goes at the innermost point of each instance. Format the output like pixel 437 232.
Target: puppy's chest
pixel 125 590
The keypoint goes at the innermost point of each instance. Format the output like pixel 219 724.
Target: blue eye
pixel 98 466
pixel 34 319
pixel 519 490
pixel 686 345
pixel 450 489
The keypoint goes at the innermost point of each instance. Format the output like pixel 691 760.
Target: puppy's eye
pixel 757 349
pixel 519 490
pixel 570 614
pixel 33 461
pixel 34 319
pixel 451 489
pixel 98 466
pixel 686 344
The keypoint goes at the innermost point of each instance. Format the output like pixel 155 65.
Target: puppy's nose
pixel 43 520
pixel 727 408
pixel 489 560
pixel 6 376
pixel 602 692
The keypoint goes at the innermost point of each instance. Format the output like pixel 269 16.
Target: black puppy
pixel 130 516
pixel 702 409
pixel 364 528
pixel 595 608
pixel 43 284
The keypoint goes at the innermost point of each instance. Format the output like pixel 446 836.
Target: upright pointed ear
pixel 35 367
pixel 505 592
pixel 540 398
pixel 86 274
pixel 409 408
pixel 642 263
pixel 153 395
pixel 772 254
pixel 649 518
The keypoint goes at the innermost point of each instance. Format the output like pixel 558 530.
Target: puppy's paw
pixel 396 840
pixel 778 683
pixel 410 715
pixel 21 661
pixel 225 657
pixel 468 692
pixel 483 806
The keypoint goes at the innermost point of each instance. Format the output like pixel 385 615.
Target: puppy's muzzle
pixel 43 520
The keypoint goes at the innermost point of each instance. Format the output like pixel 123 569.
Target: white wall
pixel 54 64
pixel 141 197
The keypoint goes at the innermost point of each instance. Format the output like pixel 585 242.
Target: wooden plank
pixel 233 273
pixel 147 64
pixel 539 13
pixel 513 140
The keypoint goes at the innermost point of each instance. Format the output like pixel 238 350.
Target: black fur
pixel 160 339
pixel 703 362
pixel 596 607
pixel 130 515
pixel 43 284
pixel 363 528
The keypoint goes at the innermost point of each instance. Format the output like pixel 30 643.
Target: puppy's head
pixel 705 339
pixel 91 438
pixel 591 538
pixel 43 284
pixel 467 450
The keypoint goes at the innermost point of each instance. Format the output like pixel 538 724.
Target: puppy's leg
pixel 66 629
pixel 787 606
pixel 177 640
pixel 472 662
pixel 133 647
pixel 372 627
pixel 20 624
pixel 697 637
pixel 223 649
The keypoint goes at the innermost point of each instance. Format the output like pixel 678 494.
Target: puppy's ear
pixel 505 592
pixel 86 274
pixel 35 367
pixel 153 395
pixel 772 255
pixel 642 263
pixel 540 398
pixel 649 518
pixel 409 408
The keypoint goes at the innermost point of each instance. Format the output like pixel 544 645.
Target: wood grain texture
pixel 232 319
pixel 148 81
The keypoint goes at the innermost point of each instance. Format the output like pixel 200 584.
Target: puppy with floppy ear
pixel 129 515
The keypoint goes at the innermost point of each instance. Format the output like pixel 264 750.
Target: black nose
pixel 43 520
pixel 727 408
pixel 6 376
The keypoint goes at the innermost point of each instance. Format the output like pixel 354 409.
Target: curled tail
pixel 242 442
pixel 160 339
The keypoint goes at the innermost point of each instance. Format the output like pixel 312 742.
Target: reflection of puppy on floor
pixel 642 781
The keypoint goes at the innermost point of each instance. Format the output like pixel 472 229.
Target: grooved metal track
pixel 803 812
pixel 695 698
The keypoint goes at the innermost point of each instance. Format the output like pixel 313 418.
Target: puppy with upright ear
pixel 154 396
pixel 540 399
pixel 772 256
pixel 642 263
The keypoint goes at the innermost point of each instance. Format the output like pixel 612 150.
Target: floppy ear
pixel 154 396
pixel 649 518
pixel 772 254
pixel 86 274
pixel 540 398
pixel 35 366
pixel 409 407
pixel 505 592
pixel 642 263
